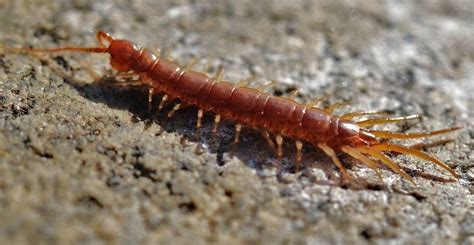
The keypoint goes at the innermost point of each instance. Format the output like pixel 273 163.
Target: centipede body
pixel 280 117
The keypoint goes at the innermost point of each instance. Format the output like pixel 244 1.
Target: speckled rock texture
pixel 83 161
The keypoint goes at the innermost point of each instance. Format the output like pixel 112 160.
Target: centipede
pixel 277 118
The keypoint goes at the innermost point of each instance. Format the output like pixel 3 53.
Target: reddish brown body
pixel 279 116
pixel 240 104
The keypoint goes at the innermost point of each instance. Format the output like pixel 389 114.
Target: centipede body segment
pixel 277 118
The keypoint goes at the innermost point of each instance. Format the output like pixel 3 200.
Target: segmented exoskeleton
pixel 272 115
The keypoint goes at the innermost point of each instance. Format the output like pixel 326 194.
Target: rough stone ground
pixel 81 162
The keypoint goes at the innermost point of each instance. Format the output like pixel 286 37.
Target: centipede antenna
pixel 55 50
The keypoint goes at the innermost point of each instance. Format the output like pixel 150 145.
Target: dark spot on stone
pixel 417 196
pixel 367 234
pixel 113 181
pixel 62 62
pixel 187 207
pixel 90 202
pixel 142 171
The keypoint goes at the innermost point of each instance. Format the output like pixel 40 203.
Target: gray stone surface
pixel 82 162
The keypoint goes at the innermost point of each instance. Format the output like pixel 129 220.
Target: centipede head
pixel 123 53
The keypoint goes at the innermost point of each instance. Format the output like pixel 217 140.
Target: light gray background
pixel 82 162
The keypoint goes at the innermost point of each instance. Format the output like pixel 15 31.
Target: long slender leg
pixel 175 108
pixel 316 101
pixel 217 120
pixel 269 140
pixel 293 95
pixel 377 121
pixel 191 64
pixel 219 73
pixel 365 160
pixel 200 114
pixel 350 115
pixel 336 105
pixel 206 68
pixel 266 86
pixel 238 129
pixel 299 148
pixel 279 141
pixel 150 97
pixel 385 160
pixel 425 145
pixel 199 118
pixel 330 152
pixel 396 135
pixel 414 152
pixel 162 102
pixel 244 82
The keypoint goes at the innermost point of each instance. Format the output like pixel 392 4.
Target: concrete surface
pixel 83 162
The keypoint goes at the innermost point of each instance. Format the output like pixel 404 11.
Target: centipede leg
pixel 217 120
pixel 386 161
pixel 332 154
pixel 191 64
pixel 266 86
pixel 414 152
pixel 200 114
pixel 175 108
pixel 299 148
pixel 162 102
pixel 269 140
pixel 336 105
pixel 279 141
pixel 377 121
pixel 351 115
pixel 365 160
pixel 395 135
pixel 238 129
pixel 219 73
pixel 293 95
pixel 426 145
pixel 244 82
pixel 150 97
